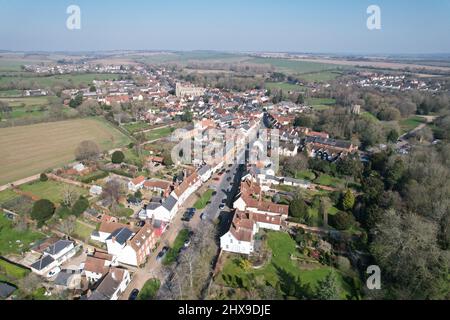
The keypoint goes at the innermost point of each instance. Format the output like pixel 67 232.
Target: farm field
pixel 295 66
pixel 30 150
pixel 48 81
pixel 284 86
pixel 322 76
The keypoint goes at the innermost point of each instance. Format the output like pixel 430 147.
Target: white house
pixel 112 286
pixel 165 211
pixel 136 184
pixel 107 227
pixel 97 265
pixel 245 225
pixel 54 256
pixel 205 173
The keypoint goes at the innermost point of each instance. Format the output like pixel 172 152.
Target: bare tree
pixel 87 150
pixel 113 190
pixel 70 195
pixel 68 225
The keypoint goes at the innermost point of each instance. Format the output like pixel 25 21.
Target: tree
pixel 324 208
pixel 92 89
pixel 42 211
pixel 75 102
pixel 342 220
pixel 406 249
pixel 112 191
pixel 298 208
pixel 70 195
pixel 117 157
pixel 300 99
pixel 67 226
pixel 327 288
pixel 80 206
pixel 138 195
pixel 348 200
pixel 43 177
pixel 87 150
pixel 187 116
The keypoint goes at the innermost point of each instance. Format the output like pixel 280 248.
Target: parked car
pixel 203 216
pixel 53 272
pixel 222 206
pixel 140 224
pixel 162 253
pixel 134 294
pixel 187 243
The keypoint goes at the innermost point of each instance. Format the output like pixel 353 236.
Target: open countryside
pixel 35 148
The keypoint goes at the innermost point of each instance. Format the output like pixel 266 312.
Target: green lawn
pixel 7 195
pixel 51 190
pixel 149 290
pixel 369 116
pixel 202 202
pixel 9 237
pixel 329 181
pixel 411 123
pixel 159 133
pixel 172 255
pixel 82 231
pixel 305 175
pixel 11 272
pixel 281 269
pixel 136 127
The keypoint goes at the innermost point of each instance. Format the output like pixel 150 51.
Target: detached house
pixel 54 256
pixel 245 225
pixel 136 184
pixel 112 285
pixel 98 265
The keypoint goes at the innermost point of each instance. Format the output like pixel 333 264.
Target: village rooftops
pixel 138 180
pixel 121 235
pixel 109 285
pixel 58 247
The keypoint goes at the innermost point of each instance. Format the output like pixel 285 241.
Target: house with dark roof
pixel 54 256
pixel 6 290
pixel 132 248
pixel 112 285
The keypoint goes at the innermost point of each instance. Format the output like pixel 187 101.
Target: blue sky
pixel 408 26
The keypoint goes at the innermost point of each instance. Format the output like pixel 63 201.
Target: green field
pixel 369 116
pixel 305 175
pixel 74 80
pixel 295 66
pixel 159 133
pixel 281 269
pixel 173 252
pixel 35 148
pixel 7 195
pixel 203 201
pixel 322 76
pixel 329 181
pixel 9 237
pixel 136 127
pixel 411 123
pixel 50 190
pixel 286 87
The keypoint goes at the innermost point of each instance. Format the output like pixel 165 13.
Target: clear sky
pixel 329 26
